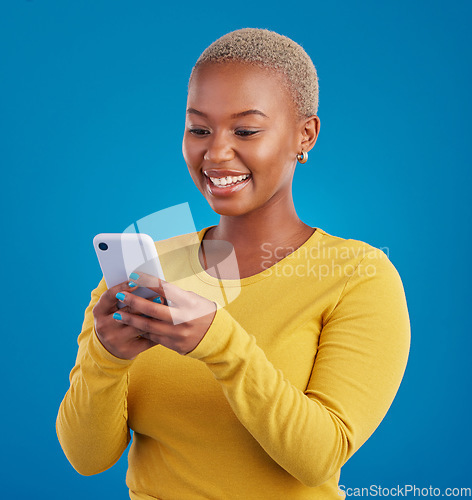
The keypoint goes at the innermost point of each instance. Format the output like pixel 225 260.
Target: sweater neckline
pixel 201 273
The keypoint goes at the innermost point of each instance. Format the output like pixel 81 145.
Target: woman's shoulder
pixel 338 247
pixel 358 262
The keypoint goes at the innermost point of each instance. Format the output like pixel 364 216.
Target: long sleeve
pixel 92 420
pixel 362 354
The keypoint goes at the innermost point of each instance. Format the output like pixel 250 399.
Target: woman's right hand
pixel 121 340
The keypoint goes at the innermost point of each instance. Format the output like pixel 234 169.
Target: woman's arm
pixel 362 354
pixel 92 421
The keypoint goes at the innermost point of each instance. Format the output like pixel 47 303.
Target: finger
pixel 120 306
pixel 130 310
pixel 125 341
pixel 168 290
pixel 159 300
pixel 144 324
pixel 108 300
pixel 127 309
pixel 152 308
pixel 172 315
pixel 108 328
pixel 151 337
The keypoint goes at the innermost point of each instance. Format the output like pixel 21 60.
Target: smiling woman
pixel 266 395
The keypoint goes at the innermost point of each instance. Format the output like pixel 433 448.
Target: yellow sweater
pixel 296 371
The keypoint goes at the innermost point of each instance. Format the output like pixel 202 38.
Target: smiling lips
pixel 227 181
pixel 219 185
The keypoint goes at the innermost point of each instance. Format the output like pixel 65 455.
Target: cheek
pixel 192 152
pixel 275 153
pixel 193 158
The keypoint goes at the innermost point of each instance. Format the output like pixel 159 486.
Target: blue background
pixel 92 105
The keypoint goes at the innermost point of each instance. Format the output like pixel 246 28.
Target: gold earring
pixel 302 157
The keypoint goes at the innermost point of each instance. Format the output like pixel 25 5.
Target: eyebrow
pixel 235 115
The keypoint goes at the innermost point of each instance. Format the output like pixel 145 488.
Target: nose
pixel 219 149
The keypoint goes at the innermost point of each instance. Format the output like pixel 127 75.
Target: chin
pixel 230 209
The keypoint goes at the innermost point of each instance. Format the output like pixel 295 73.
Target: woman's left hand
pixel 180 326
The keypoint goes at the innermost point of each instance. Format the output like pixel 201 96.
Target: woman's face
pixel 241 121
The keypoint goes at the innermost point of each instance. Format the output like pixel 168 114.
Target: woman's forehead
pixel 238 85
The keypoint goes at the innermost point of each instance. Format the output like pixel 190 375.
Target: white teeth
pixel 226 181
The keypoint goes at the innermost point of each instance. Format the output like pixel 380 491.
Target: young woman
pixel 259 380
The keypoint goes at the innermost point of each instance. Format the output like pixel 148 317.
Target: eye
pixel 245 133
pixel 199 131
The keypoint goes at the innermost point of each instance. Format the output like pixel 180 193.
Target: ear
pixel 309 128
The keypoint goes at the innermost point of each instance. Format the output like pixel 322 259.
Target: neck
pixel 279 227
pixel 259 239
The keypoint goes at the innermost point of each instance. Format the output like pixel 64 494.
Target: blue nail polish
pixel 131 284
pixel 120 296
pixel 158 300
pixel 116 316
pixel 133 276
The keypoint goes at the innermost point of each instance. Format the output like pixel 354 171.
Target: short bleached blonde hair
pixel 270 50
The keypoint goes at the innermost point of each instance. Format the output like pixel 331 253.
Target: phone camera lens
pixel 103 246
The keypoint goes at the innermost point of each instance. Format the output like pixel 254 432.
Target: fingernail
pixel 120 296
pixel 158 300
pixel 116 316
pixel 133 276
pixel 131 284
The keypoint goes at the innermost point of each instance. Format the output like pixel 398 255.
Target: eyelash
pixel 241 133
pixel 246 133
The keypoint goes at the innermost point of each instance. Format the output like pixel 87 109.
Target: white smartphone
pixel 119 254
